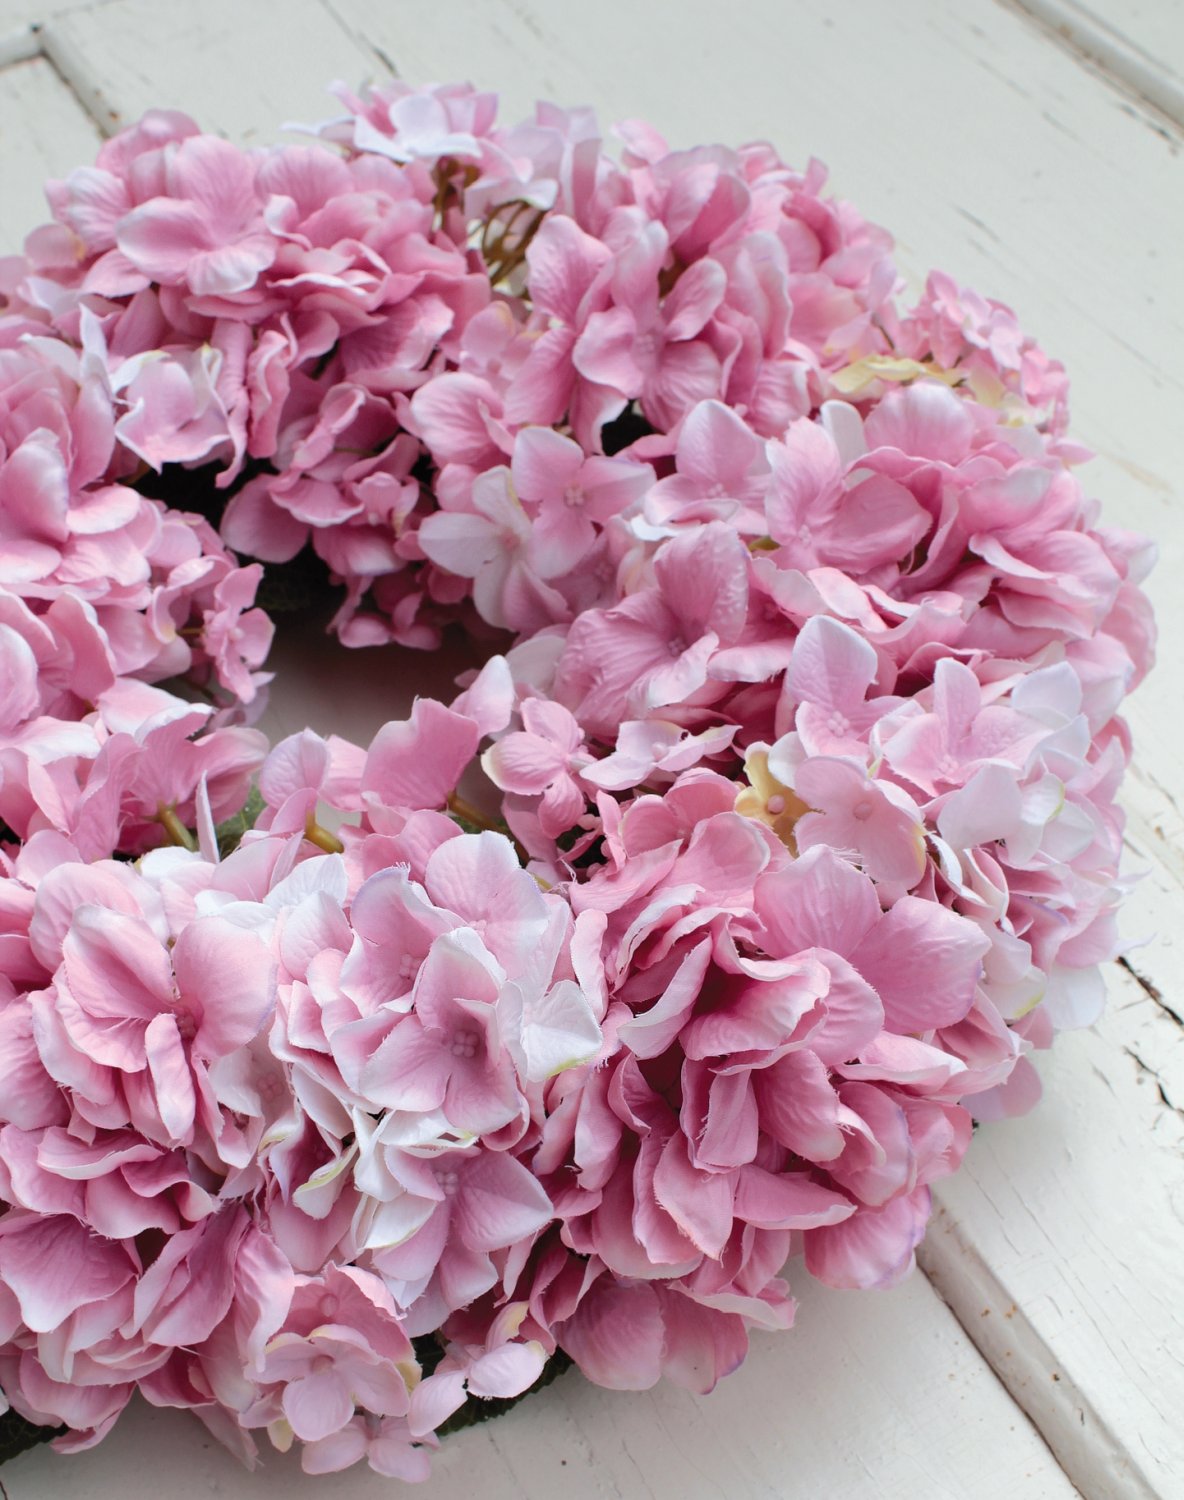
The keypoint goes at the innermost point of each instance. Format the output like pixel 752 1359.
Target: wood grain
pixel 244 69
pixel 17 16
pixel 43 133
pixel 1139 47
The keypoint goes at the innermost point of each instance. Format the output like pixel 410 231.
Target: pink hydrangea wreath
pixel 339 1108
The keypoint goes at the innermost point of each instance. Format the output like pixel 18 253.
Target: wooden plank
pixel 871 1396
pixel 23 16
pixel 1141 49
pixel 43 133
pixel 241 69
pixel 18 43
pixel 1062 1255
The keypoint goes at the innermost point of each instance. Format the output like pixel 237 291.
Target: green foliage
pixel 465 825
pixel 230 833
pixel 429 1354
pixel 16 1435
pixel 297 585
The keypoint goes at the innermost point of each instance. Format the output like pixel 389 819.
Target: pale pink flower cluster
pixel 105 591
pixel 331 330
pixel 801 752
pixel 160 594
pixel 267 1117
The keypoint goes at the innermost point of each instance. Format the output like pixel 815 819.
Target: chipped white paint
pixel 1059 1246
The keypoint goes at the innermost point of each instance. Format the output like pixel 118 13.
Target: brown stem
pixel 492 248
pixel 321 837
pixel 444 187
pixel 516 256
pixel 462 809
pixel 177 832
pixel 668 276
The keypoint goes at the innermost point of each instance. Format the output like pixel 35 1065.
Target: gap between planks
pixel 41 42
pixel 1094 1459
pixel 1108 52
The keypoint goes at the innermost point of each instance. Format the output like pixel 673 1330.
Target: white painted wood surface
pixel 43 133
pixel 993 152
pixel 1138 44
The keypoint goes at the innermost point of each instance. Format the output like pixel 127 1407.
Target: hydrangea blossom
pixel 333 1111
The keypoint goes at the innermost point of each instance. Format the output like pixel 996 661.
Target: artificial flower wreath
pixel 338 1107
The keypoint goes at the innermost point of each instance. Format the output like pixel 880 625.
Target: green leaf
pixel 229 834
